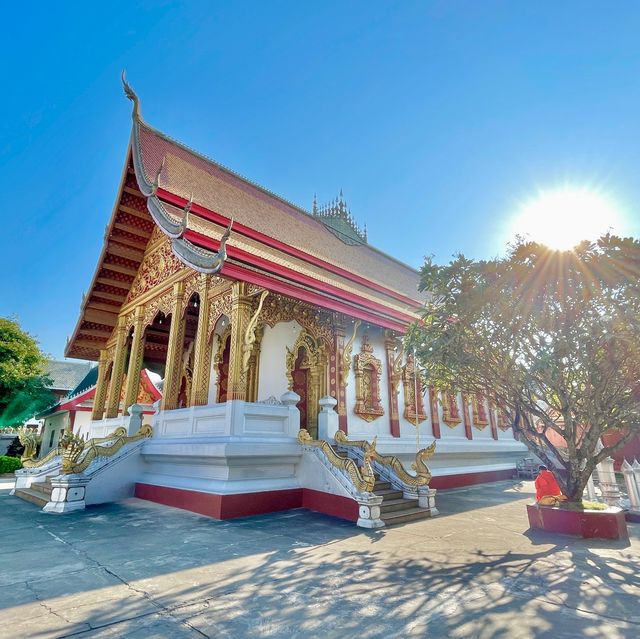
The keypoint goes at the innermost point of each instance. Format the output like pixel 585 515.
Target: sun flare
pixel 563 217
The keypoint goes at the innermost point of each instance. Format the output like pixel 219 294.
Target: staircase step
pixel 389 493
pixel 45 488
pixel 395 505
pixel 405 516
pixel 381 485
pixel 32 496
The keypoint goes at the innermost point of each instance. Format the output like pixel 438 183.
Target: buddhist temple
pixel 277 333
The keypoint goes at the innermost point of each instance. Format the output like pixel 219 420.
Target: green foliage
pixel 9 464
pixel 23 384
pixel 551 337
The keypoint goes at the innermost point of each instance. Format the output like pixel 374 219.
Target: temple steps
pixel 395 508
pixel 405 516
pixel 34 496
pixel 39 493
pixel 389 493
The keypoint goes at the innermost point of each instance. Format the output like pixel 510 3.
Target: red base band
pixel 468 479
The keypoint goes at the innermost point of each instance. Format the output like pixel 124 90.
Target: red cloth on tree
pixel 546 485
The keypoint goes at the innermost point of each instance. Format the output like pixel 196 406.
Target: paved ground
pixel 136 569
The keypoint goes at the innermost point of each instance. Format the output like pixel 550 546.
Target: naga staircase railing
pixel 76 453
pixel 389 466
pixel 362 479
pixel 79 454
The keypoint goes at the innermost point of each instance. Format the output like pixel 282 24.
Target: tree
pixel 550 337
pixel 23 382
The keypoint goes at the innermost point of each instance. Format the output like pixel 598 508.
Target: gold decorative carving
pixel 78 454
pixel 117 372
pixel 423 474
pixel 368 371
pixel 284 309
pixel 315 361
pixel 156 267
pixel 450 410
pixel 174 353
pixel 218 306
pixel 346 354
pixel 413 380
pixel 362 479
pixel 160 304
pixel 480 417
pixel 101 386
pixel 250 333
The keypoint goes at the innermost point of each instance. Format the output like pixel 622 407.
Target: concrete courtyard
pixel 137 569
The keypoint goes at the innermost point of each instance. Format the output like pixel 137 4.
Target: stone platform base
pixel 589 524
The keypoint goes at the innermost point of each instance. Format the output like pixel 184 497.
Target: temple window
pixel 450 410
pixel 414 386
pixel 368 371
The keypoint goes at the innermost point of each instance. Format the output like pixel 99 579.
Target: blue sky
pixel 436 118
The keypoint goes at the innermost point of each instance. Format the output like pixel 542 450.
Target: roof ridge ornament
pixel 338 219
pixel 184 225
pixel 156 181
pixel 131 94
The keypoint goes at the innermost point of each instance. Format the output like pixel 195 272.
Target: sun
pixel 562 218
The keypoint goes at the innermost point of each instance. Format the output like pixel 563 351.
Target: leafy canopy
pixel 553 338
pixel 23 383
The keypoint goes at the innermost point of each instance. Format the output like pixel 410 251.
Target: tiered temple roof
pixel 321 257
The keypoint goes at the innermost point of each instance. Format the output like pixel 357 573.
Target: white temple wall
pixel 82 423
pixel 272 376
pixel 54 424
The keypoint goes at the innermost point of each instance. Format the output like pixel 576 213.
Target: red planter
pixel 589 524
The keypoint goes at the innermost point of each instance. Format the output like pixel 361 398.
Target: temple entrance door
pixel 300 377
pixel 223 369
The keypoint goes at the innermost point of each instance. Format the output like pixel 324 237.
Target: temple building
pixel 266 321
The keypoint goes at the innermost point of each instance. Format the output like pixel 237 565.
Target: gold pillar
pixel 135 361
pixel 240 316
pixel 101 386
pixel 254 367
pixel 117 372
pixel 172 371
pixel 202 360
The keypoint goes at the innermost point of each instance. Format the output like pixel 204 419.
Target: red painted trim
pixel 295 276
pixel 197 209
pixel 221 506
pixel 334 505
pixel 468 479
pixel 78 399
pixel 246 504
pixel 149 385
pixel 240 273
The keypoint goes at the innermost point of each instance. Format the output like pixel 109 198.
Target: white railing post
pixel 633 489
pixel 327 418
pixel 608 483
pixel 135 419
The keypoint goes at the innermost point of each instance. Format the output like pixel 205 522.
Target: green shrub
pixel 9 464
